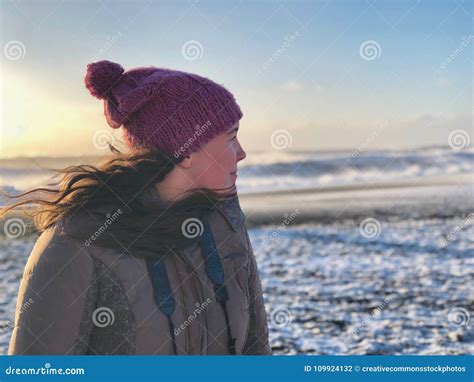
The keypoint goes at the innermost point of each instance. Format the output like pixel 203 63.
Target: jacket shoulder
pixel 55 250
pixel 51 296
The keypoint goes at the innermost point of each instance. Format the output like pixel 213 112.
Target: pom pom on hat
pixel 101 77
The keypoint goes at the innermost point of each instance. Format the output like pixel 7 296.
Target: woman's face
pixel 215 165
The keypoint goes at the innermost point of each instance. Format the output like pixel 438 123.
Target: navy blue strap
pixel 159 278
pixel 215 272
pixel 214 269
pixel 163 295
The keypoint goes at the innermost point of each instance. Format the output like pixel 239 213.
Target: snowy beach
pixel 365 264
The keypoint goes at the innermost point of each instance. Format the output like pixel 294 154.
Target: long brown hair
pixel 121 191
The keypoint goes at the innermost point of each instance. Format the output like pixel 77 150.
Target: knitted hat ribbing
pixel 169 110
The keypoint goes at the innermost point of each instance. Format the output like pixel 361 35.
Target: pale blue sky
pixel 320 86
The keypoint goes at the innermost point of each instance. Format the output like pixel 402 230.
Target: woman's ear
pixel 186 162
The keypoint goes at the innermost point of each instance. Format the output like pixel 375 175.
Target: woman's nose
pixel 241 154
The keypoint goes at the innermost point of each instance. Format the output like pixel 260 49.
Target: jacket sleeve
pixel 257 340
pixel 51 298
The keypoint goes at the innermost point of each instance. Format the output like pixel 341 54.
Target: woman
pixel 148 252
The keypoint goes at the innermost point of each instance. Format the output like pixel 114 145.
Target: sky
pixel 328 75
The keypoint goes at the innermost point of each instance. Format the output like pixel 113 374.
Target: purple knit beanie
pixel 172 111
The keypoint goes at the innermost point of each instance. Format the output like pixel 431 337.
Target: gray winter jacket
pixel 84 299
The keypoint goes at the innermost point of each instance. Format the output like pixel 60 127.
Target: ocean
pixel 282 170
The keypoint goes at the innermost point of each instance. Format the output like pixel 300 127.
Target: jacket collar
pixel 229 208
pixel 232 212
